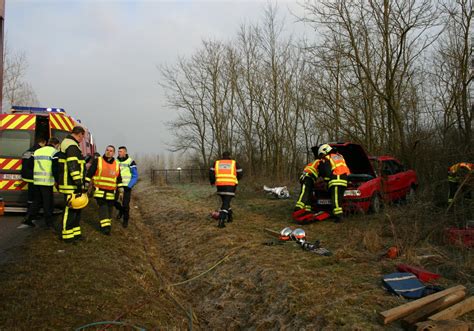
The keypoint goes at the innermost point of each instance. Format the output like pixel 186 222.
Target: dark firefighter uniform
pixel 334 171
pixel 456 174
pixel 129 173
pixel 225 175
pixel 303 212
pixel 71 180
pixel 105 174
pixel 27 165
pixel 307 180
pixel 45 174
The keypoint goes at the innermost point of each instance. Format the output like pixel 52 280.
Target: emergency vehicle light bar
pixel 36 109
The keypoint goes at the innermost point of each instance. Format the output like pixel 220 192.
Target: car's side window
pixel 396 167
pixel 386 168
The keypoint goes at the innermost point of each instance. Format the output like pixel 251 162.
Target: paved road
pixel 10 236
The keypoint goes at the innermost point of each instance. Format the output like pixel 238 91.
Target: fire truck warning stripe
pixel 63 125
pixel 29 124
pixel 69 123
pixel 13 164
pixel 24 121
pixel 17 122
pixel 53 122
pixel 7 119
pixel 16 185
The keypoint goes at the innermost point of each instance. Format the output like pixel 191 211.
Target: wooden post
pixel 422 314
pixel 452 312
pixel 406 309
pixel 152 175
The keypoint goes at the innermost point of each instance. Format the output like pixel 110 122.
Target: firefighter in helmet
pixel 225 175
pixel 456 174
pixel 334 170
pixel 105 175
pixel 71 182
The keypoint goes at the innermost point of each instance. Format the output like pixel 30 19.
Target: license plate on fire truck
pixel 10 176
pixel 324 201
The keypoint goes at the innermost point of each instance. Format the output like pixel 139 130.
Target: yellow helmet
pixel 78 201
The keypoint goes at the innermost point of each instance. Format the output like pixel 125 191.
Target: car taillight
pixel 352 193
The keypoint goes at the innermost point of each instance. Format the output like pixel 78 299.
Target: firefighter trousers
pixel 71 229
pixel 105 214
pixel 337 185
pixel 43 197
pixel 124 207
pixel 29 202
pixel 304 199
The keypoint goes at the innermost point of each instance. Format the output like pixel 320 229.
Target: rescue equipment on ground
pixel 392 252
pixel 420 273
pixel 303 216
pixel 214 214
pixel 298 234
pixel 280 192
pixel 285 234
pixel 404 284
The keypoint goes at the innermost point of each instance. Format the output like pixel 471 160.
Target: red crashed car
pixel 373 181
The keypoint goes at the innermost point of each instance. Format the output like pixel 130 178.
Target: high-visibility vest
pixel 312 168
pixel 226 173
pixel 338 164
pixel 105 176
pixel 125 170
pixel 455 167
pixel 43 166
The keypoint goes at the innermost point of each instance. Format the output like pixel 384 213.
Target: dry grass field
pixel 174 269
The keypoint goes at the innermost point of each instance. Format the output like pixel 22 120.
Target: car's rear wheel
pixel 375 204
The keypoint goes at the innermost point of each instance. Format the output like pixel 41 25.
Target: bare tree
pixel 452 76
pixel 16 91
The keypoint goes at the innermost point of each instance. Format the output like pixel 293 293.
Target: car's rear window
pixel 13 143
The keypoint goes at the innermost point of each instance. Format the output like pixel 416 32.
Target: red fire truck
pixel 18 131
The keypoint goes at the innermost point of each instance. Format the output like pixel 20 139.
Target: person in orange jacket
pixel 225 175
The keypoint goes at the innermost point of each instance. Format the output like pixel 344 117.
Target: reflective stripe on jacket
pixel 338 164
pixel 125 170
pixel 311 169
pixel 105 177
pixel 226 173
pixel 71 165
pixel 43 166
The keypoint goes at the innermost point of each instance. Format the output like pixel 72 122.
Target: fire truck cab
pixel 18 132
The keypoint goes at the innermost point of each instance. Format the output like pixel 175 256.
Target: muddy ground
pixel 174 269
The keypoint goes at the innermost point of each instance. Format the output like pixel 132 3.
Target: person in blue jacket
pixel 129 173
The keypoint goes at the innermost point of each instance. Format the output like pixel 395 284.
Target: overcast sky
pixel 99 59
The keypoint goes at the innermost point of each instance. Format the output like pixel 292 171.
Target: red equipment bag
pixel 420 273
pixel 303 216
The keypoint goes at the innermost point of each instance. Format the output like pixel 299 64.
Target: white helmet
pixel 298 234
pixel 324 149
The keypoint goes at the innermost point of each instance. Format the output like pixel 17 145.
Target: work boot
pixel 105 230
pixel 338 219
pixel 222 218
pixel 29 223
pixel 125 223
pixel 221 223
pixel 229 216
